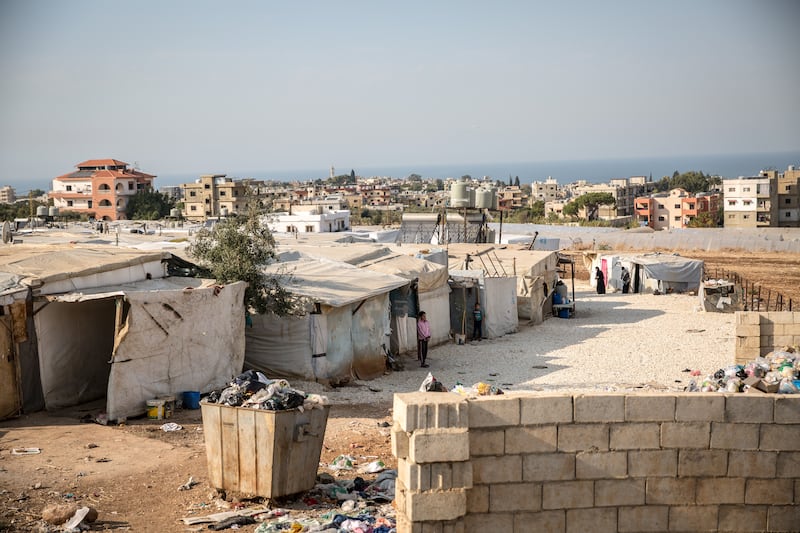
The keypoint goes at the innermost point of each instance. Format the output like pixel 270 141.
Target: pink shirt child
pixel 423 329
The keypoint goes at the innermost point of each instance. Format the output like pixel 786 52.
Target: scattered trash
pixel 102 460
pixel 84 514
pixel 189 484
pixel 373 468
pixel 232 522
pixel 431 384
pixel 254 390
pixel 478 389
pixel 25 451
pixel 91 445
pixel 342 462
pixel 777 372
pixel 171 426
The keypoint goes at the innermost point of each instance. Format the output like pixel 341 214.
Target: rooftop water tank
pixel 41 211
pixel 223 212
pixel 471 198
pixel 483 199
pixel 175 213
pixel 52 211
pixel 459 194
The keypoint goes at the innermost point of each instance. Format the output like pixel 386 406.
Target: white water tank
pixel 223 212
pixel 175 213
pixel 471 198
pixel 483 198
pixel 459 194
pixel 41 211
pixel 52 211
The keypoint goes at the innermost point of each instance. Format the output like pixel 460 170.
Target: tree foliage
pixel 692 181
pixel 516 181
pixel 590 201
pixel 238 249
pixel 148 204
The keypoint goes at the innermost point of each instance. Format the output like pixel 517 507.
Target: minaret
pixel 333 171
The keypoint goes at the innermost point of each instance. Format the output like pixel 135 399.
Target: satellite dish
pixel 6 232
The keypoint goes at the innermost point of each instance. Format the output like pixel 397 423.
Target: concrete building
pixel 748 202
pixel 675 209
pixel 7 195
pixel 510 197
pixel 309 219
pixel 624 190
pixel 215 195
pixel 99 188
pixel 546 191
pixel 786 200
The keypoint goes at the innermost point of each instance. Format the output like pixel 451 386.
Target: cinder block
pixel 514 497
pixel 783 518
pixel 744 355
pixel 781 340
pixel 595 520
pixel 598 465
pixel 650 408
pixel 685 434
pixel 494 411
pixel 439 445
pixel 735 436
pixel 788 465
pixel 548 467
pixel 641 519
pixel 616 492
pixel 478 499
pixel 531 439
pixel 752 464
pixel 488 522
pixel 541 409
pixel 743 518
pixel 550 521
pixel 748 330
pixel 748 318
pixel 436 505
pixel 503 469
pixel 435 476
pixel 399 442
pixel 693 518
pixel 700 407
pixel 453 526
pixel 424 410
pixel 749 342
pixel 599 408
pixel 702 462
pixel 567 494
pixel 787 409
pixel 486 442
pixel 653 463
pixel 769 491
pixel 781 317
pixel 670 491
pixel 583 437
pixel 631 436
pixel 720 490
pixel 739 408
pixel 780 437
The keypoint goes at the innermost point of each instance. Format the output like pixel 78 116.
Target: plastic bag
pixel 431 384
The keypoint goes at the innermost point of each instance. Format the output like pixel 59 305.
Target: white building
pixel 315 220
pixel 747 202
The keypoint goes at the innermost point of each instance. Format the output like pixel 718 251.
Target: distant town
pixel 112 190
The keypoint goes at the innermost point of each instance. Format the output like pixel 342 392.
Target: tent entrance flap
pixel 75 343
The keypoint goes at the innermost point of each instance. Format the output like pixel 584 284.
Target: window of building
pixel 130 185
pixel 745 189
pixel 661 206
pixel 787 200
pixel 747 202
pixel 192 208
pixel 746 217
pixel 731 189
pixel 731 202
pixel 691 206
pixel 787 214
pixel 677 206
pixel 89 204
pixel 104 203
pixel 69 203
pixel 661 219
pixel 206 186
pixel 192 193
pixel 69 187
pixel 731 216
pixel 222 193
pixel 676 218
pixel 309 229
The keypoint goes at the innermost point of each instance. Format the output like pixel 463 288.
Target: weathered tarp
pixel 655 271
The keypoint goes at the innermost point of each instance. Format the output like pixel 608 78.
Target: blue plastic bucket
pixel 191 399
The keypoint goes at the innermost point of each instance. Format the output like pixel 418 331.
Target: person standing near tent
pixel 601 280
pixel 477 322
pixel 626 281
pixel 423 336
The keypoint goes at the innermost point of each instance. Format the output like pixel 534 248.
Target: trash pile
pixel 254 390
pixel 778 371
pixel 431 384
pixel 332 506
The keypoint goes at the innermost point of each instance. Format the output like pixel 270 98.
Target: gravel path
pixel 615 342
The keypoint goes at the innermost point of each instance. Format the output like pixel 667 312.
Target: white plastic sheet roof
pixel 333 283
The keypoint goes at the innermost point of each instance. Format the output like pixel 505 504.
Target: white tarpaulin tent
pixel 107 323
pixel 342 341
pixel 649 272
pixel 498 299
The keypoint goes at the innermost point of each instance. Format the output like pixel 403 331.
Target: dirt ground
pixel 131 473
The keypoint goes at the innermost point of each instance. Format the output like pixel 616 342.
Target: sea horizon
pixel 563 171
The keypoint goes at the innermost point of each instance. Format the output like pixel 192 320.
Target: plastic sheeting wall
pixel 75 342
pixel 436 305
pixel 500 306
pixel 370 330
pixel 279 346
pixel 175 341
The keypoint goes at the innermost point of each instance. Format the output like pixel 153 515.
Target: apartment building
pixel 786 200
pixel 310 219
pixel 674 209
pixel 510 197
pixel 544 191
pixel 216 195
pixel 7 195
pixel 623 190
pixel 748 202
pixel 99 188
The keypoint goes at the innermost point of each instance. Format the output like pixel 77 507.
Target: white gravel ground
pixel 616 342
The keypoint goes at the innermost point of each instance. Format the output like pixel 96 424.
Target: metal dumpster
pixel 260 452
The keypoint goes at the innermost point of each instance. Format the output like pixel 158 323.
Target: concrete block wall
pixel 760 333
pixel 597 462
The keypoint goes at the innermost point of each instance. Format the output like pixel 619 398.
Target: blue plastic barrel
pixel 191 399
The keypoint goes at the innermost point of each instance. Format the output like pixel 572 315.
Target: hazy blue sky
pixel 234 86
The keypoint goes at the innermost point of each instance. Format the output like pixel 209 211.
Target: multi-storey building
pixel 546 191
pixel 747 202
pixel 7 195
pixel 623 190
pixel 786 200
pixel 99 187
pixel 510 197
pixel 216 195
pixel 675 209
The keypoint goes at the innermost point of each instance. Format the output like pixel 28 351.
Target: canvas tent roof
pixel 333 283
pixel 666 267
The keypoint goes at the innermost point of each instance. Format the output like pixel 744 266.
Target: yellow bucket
pixel 155 409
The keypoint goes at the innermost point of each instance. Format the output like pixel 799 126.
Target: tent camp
pixel 430 278
pixel 107 322
pixel 649 272
pixel 343 335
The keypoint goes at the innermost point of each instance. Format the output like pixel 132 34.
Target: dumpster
pixel 261 452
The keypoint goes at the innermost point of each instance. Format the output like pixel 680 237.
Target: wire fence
pixel 752 295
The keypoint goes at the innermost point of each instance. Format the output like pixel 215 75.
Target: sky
pixel 198 87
